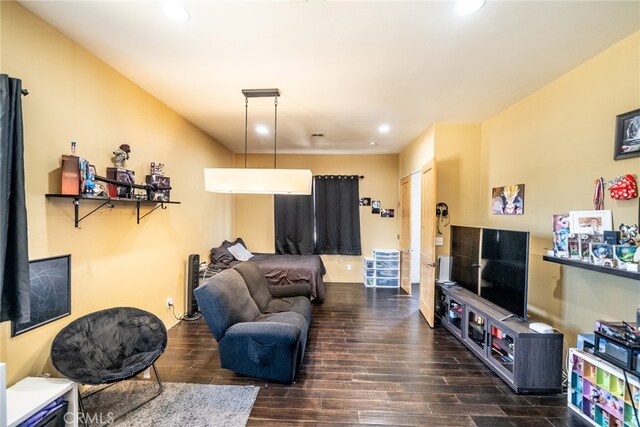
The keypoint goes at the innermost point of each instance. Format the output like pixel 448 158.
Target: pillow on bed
pixel 240 253
pixel 221 257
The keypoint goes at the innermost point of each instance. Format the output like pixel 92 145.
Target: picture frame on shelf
pixel 627 139
pixel 591 222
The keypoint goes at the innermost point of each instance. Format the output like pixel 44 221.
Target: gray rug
pixel 180 404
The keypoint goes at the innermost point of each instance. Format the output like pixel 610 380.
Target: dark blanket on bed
pixel 287 269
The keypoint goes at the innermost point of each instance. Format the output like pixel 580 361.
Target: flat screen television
pixel 465 254
pixel 504 260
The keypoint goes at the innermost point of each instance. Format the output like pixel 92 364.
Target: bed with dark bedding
pixel 278 269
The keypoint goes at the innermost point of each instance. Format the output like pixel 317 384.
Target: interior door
pixel 428 243
pixel 405 234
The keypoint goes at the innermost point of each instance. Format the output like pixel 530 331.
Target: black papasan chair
pixel 109 346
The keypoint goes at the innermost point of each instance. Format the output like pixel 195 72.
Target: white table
pixel 31 394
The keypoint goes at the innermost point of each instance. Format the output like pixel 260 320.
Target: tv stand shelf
pixel 529 362
pixel 592 267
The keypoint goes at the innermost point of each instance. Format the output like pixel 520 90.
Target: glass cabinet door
pixel 476 329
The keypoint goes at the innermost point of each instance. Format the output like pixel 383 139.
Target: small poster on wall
pixel 387 213
pixel 375 206
pixel 508 200
pixel 365 201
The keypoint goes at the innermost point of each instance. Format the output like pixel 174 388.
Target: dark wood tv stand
pixel 528 361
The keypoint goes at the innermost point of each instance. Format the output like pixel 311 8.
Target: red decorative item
pixel 626 189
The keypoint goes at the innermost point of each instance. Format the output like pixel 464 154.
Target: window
pixel 327 222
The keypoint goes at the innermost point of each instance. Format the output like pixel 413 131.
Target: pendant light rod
pixel 275 130
pixel 246 113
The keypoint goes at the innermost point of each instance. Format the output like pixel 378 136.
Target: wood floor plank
pixel 370 359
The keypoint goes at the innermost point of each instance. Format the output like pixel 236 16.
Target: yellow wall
pixel 254 213
pixel 417 153
pixel 557 142
pixel 457 153
pixel 75 96
pixel 456 149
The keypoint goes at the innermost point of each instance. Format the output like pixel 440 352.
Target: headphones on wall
pixel 442 210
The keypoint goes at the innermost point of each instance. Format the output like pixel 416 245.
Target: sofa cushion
pixel 288 317
pixel 224 300
pixel 256 283
pixel 299 305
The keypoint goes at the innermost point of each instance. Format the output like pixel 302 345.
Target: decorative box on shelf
pixel 122 175
pixel 383 269
pixel 161 187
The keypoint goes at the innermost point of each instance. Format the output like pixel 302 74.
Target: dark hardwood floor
pixel 371 359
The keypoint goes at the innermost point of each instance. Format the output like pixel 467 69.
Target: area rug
pixel 179 404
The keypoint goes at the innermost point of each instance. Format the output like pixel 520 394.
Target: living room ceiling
pixel 343 67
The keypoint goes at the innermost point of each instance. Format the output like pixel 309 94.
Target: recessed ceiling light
pixel 384 128
pixel 468 7
pixel 176 10
pixel 373 144
pixel 262 130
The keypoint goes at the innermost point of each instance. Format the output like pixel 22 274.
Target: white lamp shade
pixel 257 181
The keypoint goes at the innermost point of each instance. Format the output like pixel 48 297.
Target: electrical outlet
pixel 169 302
pixel 348 267
pixel 439 241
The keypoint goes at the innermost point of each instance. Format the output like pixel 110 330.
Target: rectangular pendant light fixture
pixel 258 181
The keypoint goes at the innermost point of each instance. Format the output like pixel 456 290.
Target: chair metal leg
pixel 160 390
pixel 81 409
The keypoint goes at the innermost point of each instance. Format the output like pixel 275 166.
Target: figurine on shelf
pixel 157 168
pixel 121 154
pixel 628 233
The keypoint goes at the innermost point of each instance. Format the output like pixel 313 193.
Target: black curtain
pixel 294 224
pixel 337 214
pixel 14 254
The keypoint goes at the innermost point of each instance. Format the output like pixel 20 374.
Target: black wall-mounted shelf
pixel 109 202
pixel 593 267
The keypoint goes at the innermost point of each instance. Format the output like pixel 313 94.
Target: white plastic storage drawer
pixel 388 283
pixel 388 264
pixel 368 263
pixel 370 272
pixel 369 281
pixel 392 273
pixel 386 253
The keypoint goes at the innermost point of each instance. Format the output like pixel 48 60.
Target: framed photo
pixel 365 201
pixel 590 222
pixel 50 296
pixel 387 213
pixel 375 206
pixel 508 200
pixel 627 143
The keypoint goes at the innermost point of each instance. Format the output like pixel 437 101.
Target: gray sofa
pixel 261 331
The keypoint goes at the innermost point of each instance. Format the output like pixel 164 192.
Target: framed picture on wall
pixel 627 142
pixel 50 294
